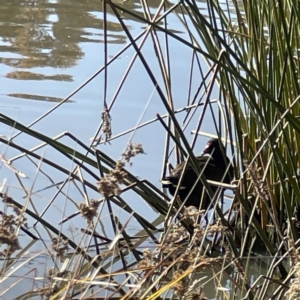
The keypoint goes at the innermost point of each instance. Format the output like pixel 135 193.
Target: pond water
pixel 48 49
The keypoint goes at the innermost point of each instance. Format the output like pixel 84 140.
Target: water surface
pixel 48 49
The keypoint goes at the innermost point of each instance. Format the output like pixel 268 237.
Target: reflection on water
pixel 35 35
pixel 42 40
pixel 49 33
pixel 37 97
pixel 35 76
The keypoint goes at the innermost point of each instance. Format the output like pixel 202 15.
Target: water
pixel 48 49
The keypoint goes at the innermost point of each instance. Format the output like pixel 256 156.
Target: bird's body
pixel 216 167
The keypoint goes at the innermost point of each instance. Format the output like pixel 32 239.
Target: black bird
pixel 217 167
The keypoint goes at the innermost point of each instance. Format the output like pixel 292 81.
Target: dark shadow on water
pixel 38 97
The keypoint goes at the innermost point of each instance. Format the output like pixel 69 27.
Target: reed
pixel 247 53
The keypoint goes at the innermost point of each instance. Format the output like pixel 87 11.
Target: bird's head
pixel 212 145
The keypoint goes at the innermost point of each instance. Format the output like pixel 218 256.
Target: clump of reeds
pixel 9 225
pixel 132 150
pixel 52 285
pixel 259 185
pixel 89 211
pixel 173 265
pixel 110 183
pixel 59 246
pixel 253 55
